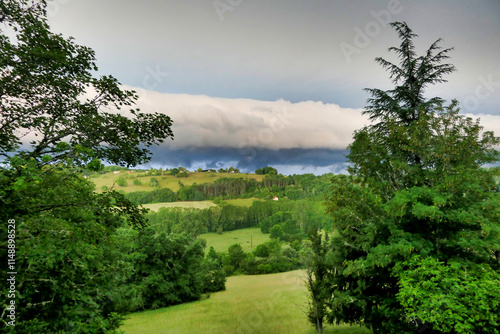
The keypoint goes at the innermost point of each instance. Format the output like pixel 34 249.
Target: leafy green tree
pixel 317 275
pixel 169 268
pixel 266 171
pixel 55 123
pixel 417 205
pixel 154 182
pixel 236 255
pixel 262 250
pixel 47 90
pixel 449 297
pixel 182 174
pixel 214 277
pixel 65 252
pixel 121 181
pixel 277 232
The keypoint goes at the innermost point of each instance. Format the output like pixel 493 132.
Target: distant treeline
pixel 293 187
pixel 294 217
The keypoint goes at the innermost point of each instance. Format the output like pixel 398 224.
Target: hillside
pixel 264 304
pixel 165 181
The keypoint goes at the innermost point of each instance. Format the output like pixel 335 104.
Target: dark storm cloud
pixel 222 157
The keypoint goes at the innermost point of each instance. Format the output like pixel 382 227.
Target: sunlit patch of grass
pixel 191 204
pixel 242 201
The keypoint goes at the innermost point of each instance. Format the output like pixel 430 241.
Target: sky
pixel 252 83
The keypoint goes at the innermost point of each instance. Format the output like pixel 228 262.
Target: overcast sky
pixel 250 83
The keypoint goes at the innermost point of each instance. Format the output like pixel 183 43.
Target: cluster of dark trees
pixel 164 269
pixel 270 257
pixel 293 217
pixel 266 171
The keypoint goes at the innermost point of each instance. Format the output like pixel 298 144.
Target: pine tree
pixel 418 206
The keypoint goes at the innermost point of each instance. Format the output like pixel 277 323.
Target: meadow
pixel 266 304
pixel 248 238
pixel 246 202
pixel 242 201
pixel 166 181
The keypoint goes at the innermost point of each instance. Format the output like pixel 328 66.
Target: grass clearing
pixel 242 201
pixel 266 304
pixel 190 204
pixel 248 238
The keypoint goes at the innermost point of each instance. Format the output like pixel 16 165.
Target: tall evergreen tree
pixel 417 206
pixel 406 101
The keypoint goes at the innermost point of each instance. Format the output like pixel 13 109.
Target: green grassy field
pixel 242 201
pixel 248 238
pixel 191 204
pixel 264 304
pixel 166 181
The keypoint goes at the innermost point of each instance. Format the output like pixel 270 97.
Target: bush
pixel 122 182
pixel 154 182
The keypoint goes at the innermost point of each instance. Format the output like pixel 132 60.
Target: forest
pixel 408 241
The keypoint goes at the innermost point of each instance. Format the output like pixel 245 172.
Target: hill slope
pixel 264 304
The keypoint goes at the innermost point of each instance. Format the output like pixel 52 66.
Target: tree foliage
pixel 317 275
pixel 406 102
pixel 51 101
pixel 57 120
pixel 418 205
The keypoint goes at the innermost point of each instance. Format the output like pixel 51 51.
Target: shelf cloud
pixel 212 132
pixel 202 121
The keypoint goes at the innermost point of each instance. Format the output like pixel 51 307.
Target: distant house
pixel 116 172
pixel 275 198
